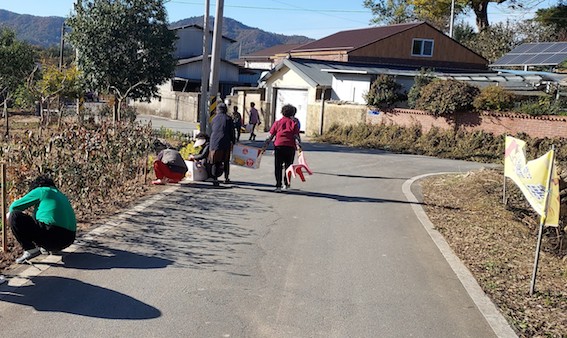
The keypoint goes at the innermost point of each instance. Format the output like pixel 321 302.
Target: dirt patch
pixel 497 243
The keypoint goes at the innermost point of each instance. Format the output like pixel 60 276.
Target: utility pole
pixel 205 72
pixel 78 8
pixel 452 19
pixel 217 39
pixel 61 45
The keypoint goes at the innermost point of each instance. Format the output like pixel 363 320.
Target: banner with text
pixel 532 178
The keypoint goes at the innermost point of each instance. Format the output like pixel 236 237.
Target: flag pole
pixel 542 220
pixel 504 201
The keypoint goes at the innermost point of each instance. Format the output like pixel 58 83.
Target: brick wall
pixel 540 126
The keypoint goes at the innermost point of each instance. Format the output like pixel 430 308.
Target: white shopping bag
pixel 196 172
pixel 246 156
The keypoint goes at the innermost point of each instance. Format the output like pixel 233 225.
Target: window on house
pixel 422 47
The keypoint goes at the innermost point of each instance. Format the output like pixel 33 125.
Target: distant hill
pixel 252 39
pixel 37 30
pixel 46 32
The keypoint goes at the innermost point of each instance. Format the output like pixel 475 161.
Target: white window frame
pixel 421 52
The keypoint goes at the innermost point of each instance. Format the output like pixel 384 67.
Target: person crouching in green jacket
pixel 52 227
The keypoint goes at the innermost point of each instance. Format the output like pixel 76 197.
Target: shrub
pixel 494 98
pixel 421 80
pixel 444 97
pixel 384 91
pixel 189 149
pixel 128 113
pixel 542 106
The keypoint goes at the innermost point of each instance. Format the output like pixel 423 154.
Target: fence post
pixel 3 207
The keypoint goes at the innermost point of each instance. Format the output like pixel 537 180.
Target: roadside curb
pixel 485 305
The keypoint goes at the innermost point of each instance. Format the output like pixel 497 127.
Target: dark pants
pixel 238 128
pixel 220 162
pixel 30 233
pixel 283 158
pixel 252 135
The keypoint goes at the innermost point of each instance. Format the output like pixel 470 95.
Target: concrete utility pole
pixel 61 45
pixel 78 7
pixel 452 19
pixel 205 71
pixel 217 39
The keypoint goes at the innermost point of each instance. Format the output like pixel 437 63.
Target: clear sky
pixel 312 18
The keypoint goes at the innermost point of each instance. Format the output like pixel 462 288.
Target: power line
pixel 317 10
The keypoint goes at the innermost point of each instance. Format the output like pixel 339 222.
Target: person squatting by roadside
pixel 50 228
pixel 222 140
pixel 286 134
pixel 169 167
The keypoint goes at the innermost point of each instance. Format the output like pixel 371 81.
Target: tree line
pixel 123 49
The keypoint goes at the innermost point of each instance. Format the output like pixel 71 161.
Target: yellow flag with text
pixel 532 178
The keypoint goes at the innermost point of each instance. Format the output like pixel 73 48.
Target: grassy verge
pixel 497 243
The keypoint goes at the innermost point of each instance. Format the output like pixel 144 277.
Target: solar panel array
pixel 535 54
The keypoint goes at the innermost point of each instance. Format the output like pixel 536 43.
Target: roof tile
pixel 356 38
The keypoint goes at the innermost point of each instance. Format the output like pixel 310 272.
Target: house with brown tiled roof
pixel 416 44
pixel 265 58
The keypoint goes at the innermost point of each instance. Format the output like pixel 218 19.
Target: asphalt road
pixel 341 255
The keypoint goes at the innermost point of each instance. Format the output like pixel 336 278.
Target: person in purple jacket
pixel 254 120
pixel 286 134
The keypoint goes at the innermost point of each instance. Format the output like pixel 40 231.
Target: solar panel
pixel 557 58
pixel 541 47
pixel 543 53
pixel 537 59
pixel 521 48
pixel 505 59
pixel 556 48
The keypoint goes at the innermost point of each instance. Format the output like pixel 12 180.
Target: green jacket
pixel 51 207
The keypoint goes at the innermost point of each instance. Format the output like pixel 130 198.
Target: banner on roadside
pixel 533 177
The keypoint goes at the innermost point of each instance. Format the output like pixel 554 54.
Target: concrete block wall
pixel 342 114
pixel 176 106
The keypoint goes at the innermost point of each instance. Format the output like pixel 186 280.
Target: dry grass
pixel 497 244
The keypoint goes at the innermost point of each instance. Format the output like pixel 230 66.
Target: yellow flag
pixel 532 179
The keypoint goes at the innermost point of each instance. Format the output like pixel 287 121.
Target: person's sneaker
pixel 227 181
pixel 278 189
pixel 158 182
pixel 216 183
pixel 44 251
pixel 286 187
pixel 28 254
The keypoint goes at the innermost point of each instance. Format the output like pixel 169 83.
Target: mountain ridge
pixel 46 32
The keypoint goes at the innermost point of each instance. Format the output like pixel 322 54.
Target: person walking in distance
pixel 222 140
pixel 254 120
pixel 286 134
pixel 237 120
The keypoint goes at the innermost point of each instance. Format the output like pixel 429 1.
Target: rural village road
pixel 341 255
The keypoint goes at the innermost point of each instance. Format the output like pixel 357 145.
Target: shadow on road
pixel 59 294
pixel 361 176
pixel 194 226
pixel 99 257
